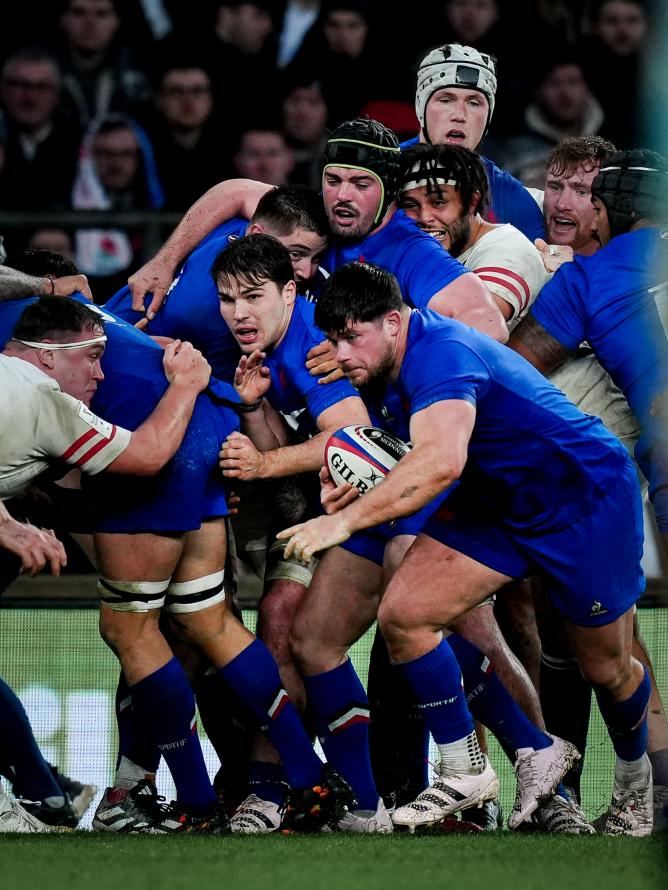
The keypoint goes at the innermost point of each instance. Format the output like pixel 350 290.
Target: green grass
pixel 458 862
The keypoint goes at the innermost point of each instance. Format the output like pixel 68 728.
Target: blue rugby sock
pixel 627 720
pixel 490 702
pixel 338 704
pixel 436 681
pixel 268 781
pixel 21 758
pixel 254 677
pixel 132 742
pixel 165 705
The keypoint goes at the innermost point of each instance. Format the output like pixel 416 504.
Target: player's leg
pixel 134 577
pixel 622 687
pixel 340 606
pixel 657 725
pixel 242 660
pixel 415 608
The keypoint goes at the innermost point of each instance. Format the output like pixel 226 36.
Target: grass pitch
pixel 80 861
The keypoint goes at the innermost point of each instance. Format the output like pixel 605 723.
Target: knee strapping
pixel 132 596
pixel 196 595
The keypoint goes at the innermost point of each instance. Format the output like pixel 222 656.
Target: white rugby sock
pixel 462 756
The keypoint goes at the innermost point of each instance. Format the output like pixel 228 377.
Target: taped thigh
pixel 278 568
pixel 132 596
pixel 196 595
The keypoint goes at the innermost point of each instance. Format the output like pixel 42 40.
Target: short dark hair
pixel 40 262
pixel 290 207
pixel 54 318
pixel 255 259
pixel 455 162
pixel 356 292
pixel 579 151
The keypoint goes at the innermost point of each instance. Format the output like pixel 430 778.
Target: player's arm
pixel 469 301
pixel 440 434
pixel 241 459
pixel 233 197
pixel 33 546
pixel 155 442
pixel 14 285
pixel 536 345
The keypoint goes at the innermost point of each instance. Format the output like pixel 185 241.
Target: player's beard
pixel 459 233
pixel 357 230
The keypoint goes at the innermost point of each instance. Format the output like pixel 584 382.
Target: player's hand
pixel 335 497
pixel 321 359
pixel 186 365
pixel 155 278
pixel 35 547
pixel 307 538
pixel 69 284
pixel 233 501
pixel 240 459
pixel 252 379
pixel 553 255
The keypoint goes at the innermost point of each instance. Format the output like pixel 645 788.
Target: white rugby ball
pixel 362 455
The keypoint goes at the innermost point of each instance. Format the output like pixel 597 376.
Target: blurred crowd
pixel 128 105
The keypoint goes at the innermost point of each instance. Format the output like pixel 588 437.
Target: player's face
pixel 601 222
pixel 306 249
pixel 78 371
pixel 567 207
pixel 352 198
pixel 456 116
pixel 258 314
pixel 364 350
pixel 439 213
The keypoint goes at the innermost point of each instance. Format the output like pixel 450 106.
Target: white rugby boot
pixel 538 774
pixel 15 820
pixel 256 816
pixel 632 807
pixel 446 795
pixel 376 821
pixel 560 815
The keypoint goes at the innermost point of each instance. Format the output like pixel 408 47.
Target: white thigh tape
pixel 195 595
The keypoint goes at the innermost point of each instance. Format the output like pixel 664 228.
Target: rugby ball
pixel 362 455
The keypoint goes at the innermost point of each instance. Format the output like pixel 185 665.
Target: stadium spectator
pixel 40 144
pixel 100 72
pixel 263 154
pixel 116 171
pixel 304 123
pixel 184 134
pixel 341 53
pixel 563 106
pixel 612 58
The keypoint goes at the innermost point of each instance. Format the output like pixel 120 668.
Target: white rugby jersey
pixel 39 424
pixel 510 266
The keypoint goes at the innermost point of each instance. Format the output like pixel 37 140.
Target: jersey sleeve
pixel 69 431
pixel 514 271
pixel 321 397
pixel 560 306
pixel 425 269
pixel 451 371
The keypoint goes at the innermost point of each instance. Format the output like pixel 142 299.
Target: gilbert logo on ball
pixel 362 455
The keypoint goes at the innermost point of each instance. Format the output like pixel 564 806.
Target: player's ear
pixel 46 358
pixel 475 202
pixel 290 293
pixel 256 229
pixel 393 322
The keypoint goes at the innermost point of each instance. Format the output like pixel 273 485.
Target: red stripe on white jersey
pixel 79 443
pixel 94 450
pixel 486 273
